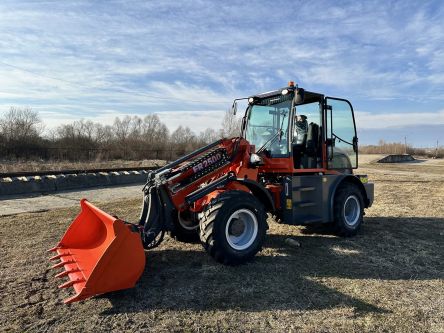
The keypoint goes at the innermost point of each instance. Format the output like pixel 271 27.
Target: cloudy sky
pixel 187 60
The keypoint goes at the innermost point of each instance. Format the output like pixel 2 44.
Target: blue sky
pixel 186 61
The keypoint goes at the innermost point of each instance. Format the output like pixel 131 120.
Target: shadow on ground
pixel 285 278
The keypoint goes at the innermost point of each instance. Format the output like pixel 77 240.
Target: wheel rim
pixel 352 210
pixel 185 223
pixel 241 229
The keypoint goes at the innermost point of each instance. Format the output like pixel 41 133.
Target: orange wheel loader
pixel 294 159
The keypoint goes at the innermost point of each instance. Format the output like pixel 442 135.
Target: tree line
pixel 23 136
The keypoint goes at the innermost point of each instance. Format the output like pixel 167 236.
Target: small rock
pixel 292 242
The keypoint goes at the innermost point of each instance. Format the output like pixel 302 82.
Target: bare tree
pixel 155 133
pixel 136 128
pixel 231 125
pixel 122 129
pixel 66 132
pixel 183 138
pixel 21 124
pixel 104 134
pixel 88 130
pixel 208 136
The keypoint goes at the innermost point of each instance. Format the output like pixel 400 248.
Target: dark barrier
pixel 61 182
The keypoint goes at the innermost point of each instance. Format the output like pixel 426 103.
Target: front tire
pixel 348 210
pixel 233 227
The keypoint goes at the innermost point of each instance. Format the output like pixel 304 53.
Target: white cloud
pixel 369 120
pixel 196 121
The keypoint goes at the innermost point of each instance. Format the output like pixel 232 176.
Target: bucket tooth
pixel 58 256
pixel 70 283
pixel 65 273
pixel 67 284
pixel 62 263
pixel 55 248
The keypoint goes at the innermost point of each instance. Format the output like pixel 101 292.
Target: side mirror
pixel 234 108
pixel 299 96
pixel 355 144
pixel 330 143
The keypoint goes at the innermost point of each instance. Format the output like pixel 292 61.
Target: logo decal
pixel 207 162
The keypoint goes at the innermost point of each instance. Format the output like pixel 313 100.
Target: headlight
pixel 284 92
pixel 251 100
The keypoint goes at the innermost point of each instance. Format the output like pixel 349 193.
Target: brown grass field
pixel 389 278
pixel 20 166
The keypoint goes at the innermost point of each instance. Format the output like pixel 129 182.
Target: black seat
pixel 305 155
pixel 312 139
pixel 312 146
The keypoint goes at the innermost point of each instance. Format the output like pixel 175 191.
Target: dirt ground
pixel 389 278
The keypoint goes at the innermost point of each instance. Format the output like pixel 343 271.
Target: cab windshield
pixel 267 124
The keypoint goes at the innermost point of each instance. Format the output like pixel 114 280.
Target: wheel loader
pixel 294 160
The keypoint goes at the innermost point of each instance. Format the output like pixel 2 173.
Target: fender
pixel 259 191
pixel 351 179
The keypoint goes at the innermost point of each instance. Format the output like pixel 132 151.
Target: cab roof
pixel 309 96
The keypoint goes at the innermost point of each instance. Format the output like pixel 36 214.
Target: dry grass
pixel 390 278
pixel 19 166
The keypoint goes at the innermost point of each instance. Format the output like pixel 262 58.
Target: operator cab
pixel 313 131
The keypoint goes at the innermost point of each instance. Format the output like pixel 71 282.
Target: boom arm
pixel 178 186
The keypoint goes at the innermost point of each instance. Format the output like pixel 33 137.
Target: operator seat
pixel 305 155
pixel 312 145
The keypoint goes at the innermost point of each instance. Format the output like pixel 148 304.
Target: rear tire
pixel 348 210
pixel 233 227
pixel 186 228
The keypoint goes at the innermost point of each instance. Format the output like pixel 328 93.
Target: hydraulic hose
pixel 151 219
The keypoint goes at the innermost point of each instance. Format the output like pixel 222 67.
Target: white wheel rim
pixel 187 225
pixel 241 229
pixel 352 210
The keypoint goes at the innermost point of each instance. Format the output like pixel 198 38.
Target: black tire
pixel 218 219
pixel 185 232
pixel 348 210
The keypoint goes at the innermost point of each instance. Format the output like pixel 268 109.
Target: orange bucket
pixel 99 254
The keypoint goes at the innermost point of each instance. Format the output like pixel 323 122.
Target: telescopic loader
pixel 220 194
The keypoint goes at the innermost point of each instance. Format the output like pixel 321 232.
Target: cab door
pixel 340 134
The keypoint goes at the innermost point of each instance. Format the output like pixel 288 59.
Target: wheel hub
pixel 241 229
pixel 352 210
pixel 237 227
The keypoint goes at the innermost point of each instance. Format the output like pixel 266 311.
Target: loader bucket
pixel 99 254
